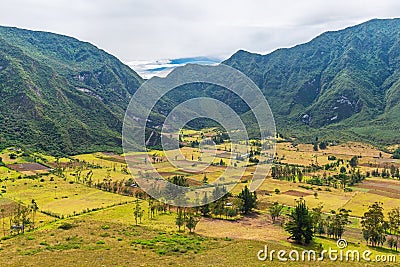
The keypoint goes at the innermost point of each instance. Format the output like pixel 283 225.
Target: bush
pixel 323 145
pixel 396 154
pixel 331 158
pixel 66 226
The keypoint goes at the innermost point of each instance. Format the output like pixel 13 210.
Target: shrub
pixel 331 158
pixel 66 226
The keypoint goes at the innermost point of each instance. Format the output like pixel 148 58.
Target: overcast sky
pixel 165 29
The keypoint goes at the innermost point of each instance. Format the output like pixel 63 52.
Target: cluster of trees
pixel 118 187
pixel 294 173
pixel 226 204
pixel 254 152
pixel 392 172
pixel 154 207
pixel 340 180
pixel 229 205
pixel 396 154
pixel 353 162
pixel 218 138
pixel 290 172
pixel 320 145
pixel 333 165
pixel 303 223
pixel 376 228
pixel 221 162
pixel 187 219
pixel 333 225
pixel 21 218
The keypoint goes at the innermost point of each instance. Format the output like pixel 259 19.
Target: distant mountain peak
pixel 344 80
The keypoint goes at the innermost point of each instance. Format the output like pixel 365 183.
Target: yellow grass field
pixel 100 226
pixel 59 196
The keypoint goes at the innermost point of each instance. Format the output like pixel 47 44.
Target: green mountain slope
pixel 59 94
pixel 343 84
pixel 65 96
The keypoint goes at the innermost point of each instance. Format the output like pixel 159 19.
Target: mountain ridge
pixel 67 96
pixel 338 79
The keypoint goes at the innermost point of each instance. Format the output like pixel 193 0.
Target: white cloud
pixel 151 29
pixel 162 68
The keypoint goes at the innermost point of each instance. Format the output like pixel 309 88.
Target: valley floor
pixel 82 224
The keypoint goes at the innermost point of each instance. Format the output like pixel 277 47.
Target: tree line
pixel 303 224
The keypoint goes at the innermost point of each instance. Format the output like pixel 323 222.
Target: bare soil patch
pixel 23 167
pixel 113 157
pixel 251 228
pixel 387 188
pixel 263 192
pixel 296 193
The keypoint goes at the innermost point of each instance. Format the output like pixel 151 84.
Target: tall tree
pixel 315 147
pixel 191 222
pixel 318 221
pixel 34 209
pixel 275 210
pixel 394 224
pixel 354 162
pixel 137 212
pixel 180 219
pixel 249 200
pixel 205 209
pixel 218 207
pixel 300 225
pixel 2 216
